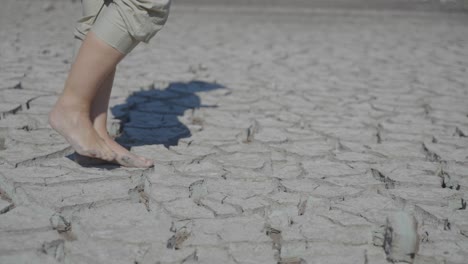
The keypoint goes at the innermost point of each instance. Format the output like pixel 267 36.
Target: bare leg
pixel 99 119
pixel 70 116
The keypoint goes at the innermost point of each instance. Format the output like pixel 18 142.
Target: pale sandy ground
pixel 291 137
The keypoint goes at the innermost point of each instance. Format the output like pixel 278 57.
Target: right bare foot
pixel 125 157
pixel 76 127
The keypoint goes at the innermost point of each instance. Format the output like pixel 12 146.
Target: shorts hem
pixel 114 36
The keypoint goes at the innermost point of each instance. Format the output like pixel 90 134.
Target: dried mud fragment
pixel 248 134
pixel 139 195
pixel 400 239
pixel 301 207
pixel 277 240
pixel 389 183
pixel 59 223
pixel 446 180
pixel 198 190
pixel 430 156
pixel 178 238
pixel 55 249
pixel 458 132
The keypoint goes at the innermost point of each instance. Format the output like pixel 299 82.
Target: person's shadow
pixel 149 117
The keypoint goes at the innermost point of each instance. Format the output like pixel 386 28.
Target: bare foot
pixel 76 128
pixel 125 157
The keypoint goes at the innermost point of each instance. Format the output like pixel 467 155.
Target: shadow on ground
pixel 150 117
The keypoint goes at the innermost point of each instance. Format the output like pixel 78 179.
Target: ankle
pixel 73 104
pixel 64 112
pixel 65 106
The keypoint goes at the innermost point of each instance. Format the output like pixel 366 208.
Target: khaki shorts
pixel 122 23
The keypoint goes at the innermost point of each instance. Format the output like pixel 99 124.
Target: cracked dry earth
pixel 279 137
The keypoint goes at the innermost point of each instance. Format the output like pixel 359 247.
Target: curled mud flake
pixel 18 86
pixel 177 239
pixel 447 225
pixel 248 134
pixel 378 137
pixel 401 240
pixel 276 239
pixel 198 190
pixel 389 183
pixel 446 180
pixel 378 236
pixel 279 186
pixel 430 156
pixel 427 109
pixel 463 205
pixel 59 223
pixel 464 233
pixel 138 195
pixel 301 207
pixel 275 236
pixel 424 238
pixel 5 207
pixel 171 242
pixel 6 203
pixel 459 133
pixel 55 249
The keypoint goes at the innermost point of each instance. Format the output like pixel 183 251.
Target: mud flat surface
pixel 307 136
